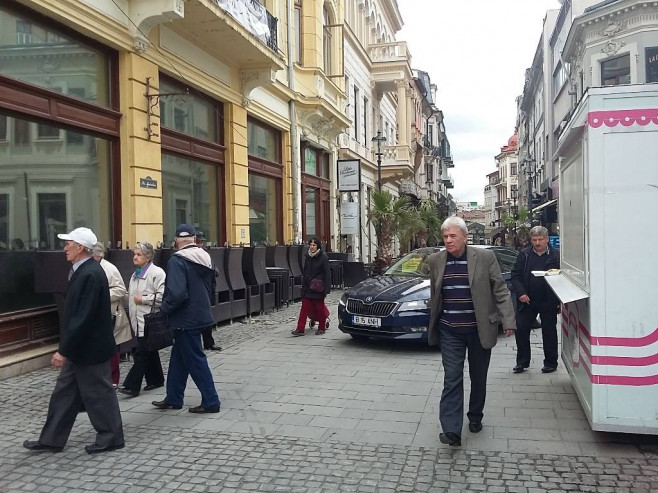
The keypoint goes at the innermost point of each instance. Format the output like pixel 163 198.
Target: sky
pixel 476 52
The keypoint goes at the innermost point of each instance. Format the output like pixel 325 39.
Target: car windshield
pixel 412 264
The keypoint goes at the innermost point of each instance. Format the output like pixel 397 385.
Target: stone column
pixel 236 178
pixel 141 208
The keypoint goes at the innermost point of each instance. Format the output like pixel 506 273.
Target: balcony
pixel 246 36
pixel 391 62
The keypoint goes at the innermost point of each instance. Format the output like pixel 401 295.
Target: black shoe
pixel 549 369
pixel 129 392
pixel 165 405
pixel 40 447
pixel 451 439
pixel 475 427
pixel 94 448
pixel 204 410
pixel 152 387
pixel 519 369
pixel 213 348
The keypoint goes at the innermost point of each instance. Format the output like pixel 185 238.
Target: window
pixel 326 41
pixel 263 142
pixel 264 200
pixel 298 31
pixel 47 132
pixel 311 161
pixel 365 121
pixel 616 71
pixel 513 169
pixel 190 194
pixel 21 133
pixel 311 198
pixel 3 128
pixel 652 64
pixel 559 79
pixel 190 113
pixel 60 57
pixel 357 129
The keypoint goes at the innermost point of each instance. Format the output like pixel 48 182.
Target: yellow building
pixel 130 116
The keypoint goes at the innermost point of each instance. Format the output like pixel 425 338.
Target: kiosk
pixel 608 282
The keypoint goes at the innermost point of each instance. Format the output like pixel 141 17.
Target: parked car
pixel 395 305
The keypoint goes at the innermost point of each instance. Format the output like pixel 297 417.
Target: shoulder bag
pixel 156 333
pixel 317 285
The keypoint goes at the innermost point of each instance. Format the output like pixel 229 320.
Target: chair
pixel 255 274
pixel 296 273
pixel 233 269
pixel 221 309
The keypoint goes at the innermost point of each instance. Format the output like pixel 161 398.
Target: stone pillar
pixel 236 179
pixel 141 208
pixel 401 113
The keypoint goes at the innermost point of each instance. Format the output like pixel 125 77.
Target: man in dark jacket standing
pixel 85 348
pixel 186 303
pixel 536 297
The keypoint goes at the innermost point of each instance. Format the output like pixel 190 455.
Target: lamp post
pixel 379 138
pixel 528 164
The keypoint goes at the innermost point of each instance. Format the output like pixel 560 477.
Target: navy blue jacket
pixel 87 332
pixel 188 289
pixel 521 272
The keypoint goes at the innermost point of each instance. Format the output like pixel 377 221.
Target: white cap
pixel 83 236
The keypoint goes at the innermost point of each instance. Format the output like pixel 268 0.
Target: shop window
pixel 61 61
pixel 311 199
pixel 651 55
pixel 264 219
pixel 616 71
pixel 310 161
pixel 190 194
pixel 189 113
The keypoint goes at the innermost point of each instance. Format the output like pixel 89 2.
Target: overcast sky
pixel 476 52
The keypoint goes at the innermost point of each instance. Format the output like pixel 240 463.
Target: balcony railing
pixel 390 52
pixel 255 18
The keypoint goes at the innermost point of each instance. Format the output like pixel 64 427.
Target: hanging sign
pixel 349 175
pixel 349 218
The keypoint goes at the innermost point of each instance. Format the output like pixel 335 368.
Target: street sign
pixel 554 241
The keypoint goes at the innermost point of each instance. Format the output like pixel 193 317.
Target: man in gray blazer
pixel 469 300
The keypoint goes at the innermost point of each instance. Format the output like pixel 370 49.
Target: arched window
pixel 326 40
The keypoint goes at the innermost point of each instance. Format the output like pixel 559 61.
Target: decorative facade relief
pixel 251 79
pixel 146 14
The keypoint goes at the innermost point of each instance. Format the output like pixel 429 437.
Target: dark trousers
pixel 454 346
pixel 208 340
pixel 524 320
pixel 79 385
pixel 314 309
pixel 188 359
pixel 146 364
pixel 114 367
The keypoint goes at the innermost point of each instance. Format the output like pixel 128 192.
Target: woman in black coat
pixel 316 285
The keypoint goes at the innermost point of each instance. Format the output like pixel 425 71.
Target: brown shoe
pixel 297 333
pixel 204 410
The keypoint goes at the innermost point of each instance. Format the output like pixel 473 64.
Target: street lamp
pixel 528 166
pixel 379 138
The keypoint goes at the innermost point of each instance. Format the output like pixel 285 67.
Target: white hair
pixel 454 222
pixel 539 231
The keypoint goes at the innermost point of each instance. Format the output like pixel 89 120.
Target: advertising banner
pixel 349 218
pixel 349 175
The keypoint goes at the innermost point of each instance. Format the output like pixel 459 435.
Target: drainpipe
pixel 294 142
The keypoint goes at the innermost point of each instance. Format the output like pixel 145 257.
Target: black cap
pixel 185 231
pixel 200 235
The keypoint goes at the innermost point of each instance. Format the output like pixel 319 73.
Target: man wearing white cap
pixel 85 347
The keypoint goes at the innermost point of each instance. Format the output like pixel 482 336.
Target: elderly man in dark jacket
pixel 85 348
pixel 536 297
pixel 316 285
pixel 186 303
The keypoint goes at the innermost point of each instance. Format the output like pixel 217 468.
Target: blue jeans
pixel 188 359
pixel 453 349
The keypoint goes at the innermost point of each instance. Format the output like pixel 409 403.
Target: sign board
pixel 554 241
pixel 148 182
pixel 349 218
pixel 349 175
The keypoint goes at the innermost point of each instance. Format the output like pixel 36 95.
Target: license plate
pixel 369 321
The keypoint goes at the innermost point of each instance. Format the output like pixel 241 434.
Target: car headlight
pixel 418 305
pixel 343 299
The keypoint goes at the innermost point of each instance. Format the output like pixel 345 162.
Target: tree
pixel 388 214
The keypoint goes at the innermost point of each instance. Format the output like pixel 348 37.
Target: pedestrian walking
pixel 146 289
pixel 85 348
pixel 186 304
pixel 536 298
pixel 208 339
pixel 467 295
pixel 122 332
pixel 316 285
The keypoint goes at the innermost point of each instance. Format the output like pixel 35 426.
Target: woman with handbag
pixel 145 295
pixel 316 285
pixel 118 292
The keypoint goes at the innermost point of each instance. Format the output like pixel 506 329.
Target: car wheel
pixel 357 337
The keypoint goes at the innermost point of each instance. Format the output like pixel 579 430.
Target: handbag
pixel 317 285
pixel 156 333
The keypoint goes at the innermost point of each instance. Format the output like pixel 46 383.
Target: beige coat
pixel 151 285
pixel 491 298
pixel 118 293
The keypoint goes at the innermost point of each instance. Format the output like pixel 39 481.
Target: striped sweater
pixel 458 312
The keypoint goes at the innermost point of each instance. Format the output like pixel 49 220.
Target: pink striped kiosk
pixel 608 281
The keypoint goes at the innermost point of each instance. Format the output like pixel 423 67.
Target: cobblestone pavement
pixel 328 414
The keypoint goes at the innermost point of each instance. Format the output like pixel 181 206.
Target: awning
pixel 545 204
pixel 495 232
